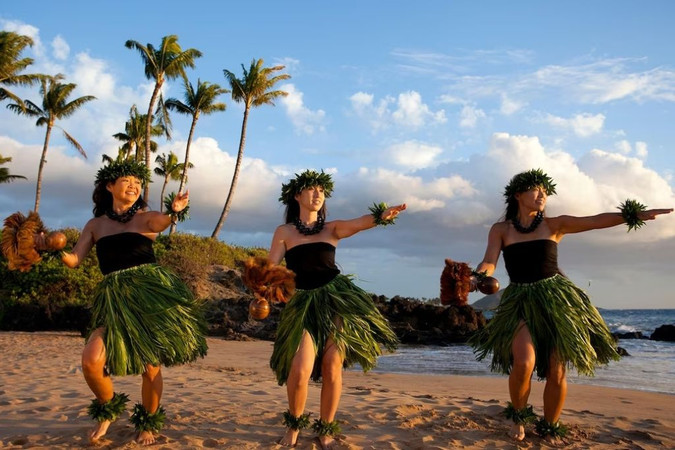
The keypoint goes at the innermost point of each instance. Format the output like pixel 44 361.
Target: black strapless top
pixel 313 264
pixel 531 261
pixel 123 250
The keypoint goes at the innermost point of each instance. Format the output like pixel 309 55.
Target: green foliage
pixel 49 290
pixel 190 256
pixel 51 296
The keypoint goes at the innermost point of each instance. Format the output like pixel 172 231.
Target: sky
pixel 436 104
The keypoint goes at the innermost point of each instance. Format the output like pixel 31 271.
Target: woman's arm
pixel 158 222
pixel 345 228
pixel 562 225
pixel 494 247
pixel 82 247
pixel 278 246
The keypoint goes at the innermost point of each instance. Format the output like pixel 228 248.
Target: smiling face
pixel 311 198
pixel 126 189
pixel 533 199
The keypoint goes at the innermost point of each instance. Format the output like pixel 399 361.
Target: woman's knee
pixel 523 363
pixel 331 367
pixel 556 374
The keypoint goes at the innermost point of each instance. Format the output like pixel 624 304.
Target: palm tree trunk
pixel 161 196
pixel 183 177
pixel 148 127
pixel 43 160
pixel 235 176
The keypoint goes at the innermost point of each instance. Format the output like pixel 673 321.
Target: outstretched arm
pixel 494 246
pixel 158 222
pixel 562 225
pixel 345 228
pixel 82 247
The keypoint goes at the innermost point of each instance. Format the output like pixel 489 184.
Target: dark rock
pixel 630 335
pixel 622 351
pixel 664 333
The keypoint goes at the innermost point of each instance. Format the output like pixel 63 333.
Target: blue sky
pixel 433 103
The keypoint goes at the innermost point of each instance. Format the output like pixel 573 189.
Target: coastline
pixel 231 400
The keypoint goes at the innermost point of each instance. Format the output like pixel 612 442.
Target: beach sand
pixel 230 399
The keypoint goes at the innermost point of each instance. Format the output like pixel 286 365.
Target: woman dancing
pixel 543 321
pixel 329 323
pixel 143 316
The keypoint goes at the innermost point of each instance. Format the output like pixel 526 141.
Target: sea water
pixel 650 366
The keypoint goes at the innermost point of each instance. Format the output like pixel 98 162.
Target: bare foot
pixel 517 432
pixel 145 438
pixel 290 439
pixel 555 441
pixel 99 431
pixel 326 442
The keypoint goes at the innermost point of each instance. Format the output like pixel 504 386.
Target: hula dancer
pixel 544 322
pixel 329 323
pixel 143 316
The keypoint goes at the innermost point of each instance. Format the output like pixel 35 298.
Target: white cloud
pixel 509 105
pixel 413 113
pixel 414 155
pixel 25 30
pixel 60 48
pixel 410 111
pixel 641 149
pixel 304 120
pixel 624 147
pixel 470 115
pixel 583 125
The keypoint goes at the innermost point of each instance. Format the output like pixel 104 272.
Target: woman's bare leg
pixel 297 384
pixel 520 379
pixel 331 386
pixel 93 369
pixel 151 393
pixel 555 390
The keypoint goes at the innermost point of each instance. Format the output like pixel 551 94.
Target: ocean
pixel 650 366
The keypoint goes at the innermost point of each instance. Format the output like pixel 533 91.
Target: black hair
pixel 103 199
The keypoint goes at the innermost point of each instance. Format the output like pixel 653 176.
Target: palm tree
pixel 5 176
pixel 197 102
pixel 253 89
pixel 166 62
pixel 11 63
pixel 133 136
pixel 169 168
pixel 55 106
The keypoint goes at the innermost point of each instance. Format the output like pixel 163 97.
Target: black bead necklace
pixel 302 229
pixel 533 226
pixel 125 216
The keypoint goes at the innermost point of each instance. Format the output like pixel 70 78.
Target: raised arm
pixel 82 247
pixel 158 222
pixel 345 228
pixel 494 247
pixel 562 225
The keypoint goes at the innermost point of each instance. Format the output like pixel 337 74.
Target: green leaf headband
pixel 525 181
pixel 116 169
pixel 307 179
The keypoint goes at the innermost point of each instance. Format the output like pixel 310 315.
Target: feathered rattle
pixel 458 279
pixel 24 237
pixel 269 283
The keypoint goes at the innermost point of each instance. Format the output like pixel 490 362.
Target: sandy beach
pixel 231 400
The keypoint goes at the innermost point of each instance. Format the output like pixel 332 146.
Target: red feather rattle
pixel 458 279
pixel 24 237
pixel 269 283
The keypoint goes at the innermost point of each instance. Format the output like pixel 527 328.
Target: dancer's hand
pixel 651 214
pixel 180 201
pixel 393 211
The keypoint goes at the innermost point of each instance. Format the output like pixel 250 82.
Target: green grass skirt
pixel 560 318
pixel 150 317
pixel 340 311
